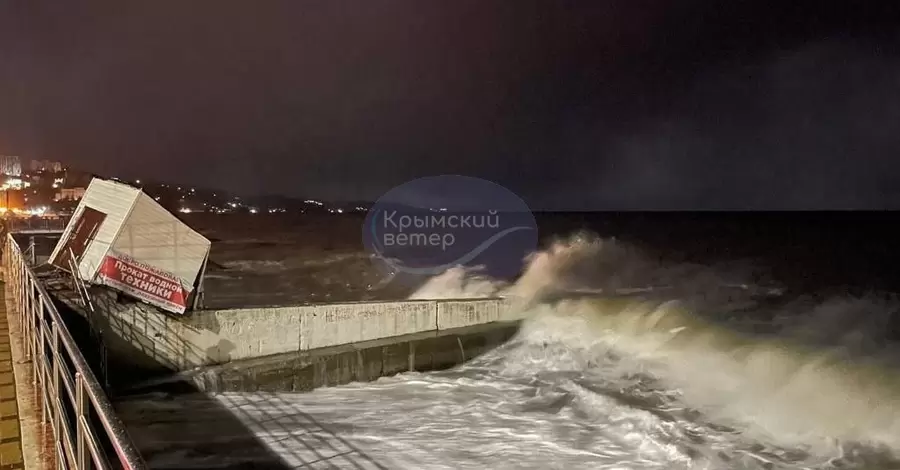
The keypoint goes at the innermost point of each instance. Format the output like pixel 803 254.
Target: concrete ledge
pixel 151 338
pixel 365 361
pixel 335 324
pixel 458 314
pixel 227 335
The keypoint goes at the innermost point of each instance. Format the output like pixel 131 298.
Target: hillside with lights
pixel 52 189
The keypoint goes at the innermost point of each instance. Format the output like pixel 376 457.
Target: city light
pixel 46 185
pixel 37 211
pixel 15 183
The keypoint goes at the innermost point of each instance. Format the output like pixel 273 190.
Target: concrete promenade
pixel 10 430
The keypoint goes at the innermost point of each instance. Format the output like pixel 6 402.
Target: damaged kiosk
pixel 122 238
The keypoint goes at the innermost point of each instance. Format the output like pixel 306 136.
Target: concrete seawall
pixel 142 336
pixel 336 365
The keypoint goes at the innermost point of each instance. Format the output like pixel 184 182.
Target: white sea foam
pixel 670 366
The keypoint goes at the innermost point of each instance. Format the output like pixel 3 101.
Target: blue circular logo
pixel 429 225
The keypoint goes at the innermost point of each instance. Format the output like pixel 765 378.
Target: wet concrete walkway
pixel 10 431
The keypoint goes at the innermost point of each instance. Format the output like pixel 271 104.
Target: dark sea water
pixel 809 250
pixel 649 340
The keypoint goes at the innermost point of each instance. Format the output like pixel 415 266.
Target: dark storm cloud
pixel 818 127
pixel 575 105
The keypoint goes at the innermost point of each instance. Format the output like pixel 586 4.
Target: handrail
pixel 35 224
pixel 72 399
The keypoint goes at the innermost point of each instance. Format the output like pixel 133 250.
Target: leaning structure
pixel 122 238
pixel 136 272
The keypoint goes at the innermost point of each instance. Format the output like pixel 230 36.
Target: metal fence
pixel 86 432
pixel 35 224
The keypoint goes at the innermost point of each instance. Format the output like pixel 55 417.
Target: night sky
pixel 575 105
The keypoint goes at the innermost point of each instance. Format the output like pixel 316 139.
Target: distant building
pixel 10 165
pixel 72 194
pixel 12 199
pixel 14 183
pixel 46 165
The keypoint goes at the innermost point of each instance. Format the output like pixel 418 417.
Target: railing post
pixel 20 282
pixel 28 308
pixel 81 417
pixel 34 311
pixel 56 396
pixel 40 364
pixel 25 306
pixel 31 248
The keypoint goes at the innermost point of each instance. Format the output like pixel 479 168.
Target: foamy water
pixel 696 367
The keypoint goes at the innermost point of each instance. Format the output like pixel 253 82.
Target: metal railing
pixel 17 224
pixel 84 297
pixel 86 432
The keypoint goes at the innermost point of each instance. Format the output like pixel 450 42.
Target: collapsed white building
pixel 122 238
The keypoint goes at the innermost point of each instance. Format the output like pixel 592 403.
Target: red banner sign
pixel 143 281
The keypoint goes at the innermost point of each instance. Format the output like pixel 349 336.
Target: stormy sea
pixel 648 341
